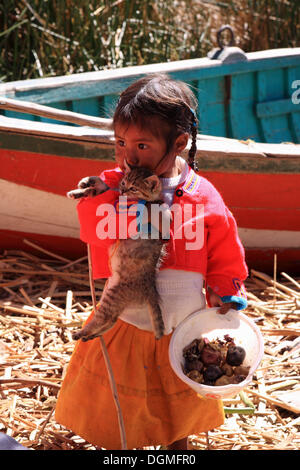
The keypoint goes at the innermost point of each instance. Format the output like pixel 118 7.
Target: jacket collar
pixel 191 184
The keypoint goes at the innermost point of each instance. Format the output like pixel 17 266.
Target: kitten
pixel 134 262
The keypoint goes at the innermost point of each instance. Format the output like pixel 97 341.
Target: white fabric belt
pixel 181 294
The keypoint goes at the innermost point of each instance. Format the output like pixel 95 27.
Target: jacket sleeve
pixel 226 266
pixel 93 211
pixel 105 218
pixel 100 225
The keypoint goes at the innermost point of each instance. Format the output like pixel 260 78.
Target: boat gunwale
pixel 213 153
pixel 97 135
pixel 201 67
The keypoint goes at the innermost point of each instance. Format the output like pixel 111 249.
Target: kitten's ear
pixel 152 182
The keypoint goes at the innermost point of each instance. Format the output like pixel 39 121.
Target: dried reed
pixel 40 39
pixel 39 307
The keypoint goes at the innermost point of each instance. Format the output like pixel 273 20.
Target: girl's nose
pixel 132 160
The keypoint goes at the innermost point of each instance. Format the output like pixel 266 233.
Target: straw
pixel 63 37
pixel 36 347
pixel 107 361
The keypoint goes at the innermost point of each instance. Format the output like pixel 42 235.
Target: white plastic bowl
pixel 212 325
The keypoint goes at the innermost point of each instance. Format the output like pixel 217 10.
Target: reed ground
pixel 43 298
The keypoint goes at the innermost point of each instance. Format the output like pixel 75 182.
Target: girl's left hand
pixel 216 301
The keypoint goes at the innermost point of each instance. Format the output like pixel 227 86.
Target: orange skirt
pixel 157 407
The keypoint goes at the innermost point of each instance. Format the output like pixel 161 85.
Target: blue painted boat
pixel 242 96
pixel 249 131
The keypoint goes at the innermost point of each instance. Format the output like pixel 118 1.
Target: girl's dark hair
pixel 163 106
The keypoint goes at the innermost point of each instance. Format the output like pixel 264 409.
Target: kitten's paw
pixel 79 193
pixel 79 335
pixel 159 334
pixel 92 330
pixel 88 186
pixel 89 181
pixel 159 329
pixel 94 184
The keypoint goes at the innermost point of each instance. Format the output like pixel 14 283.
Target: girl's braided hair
pixel 163 106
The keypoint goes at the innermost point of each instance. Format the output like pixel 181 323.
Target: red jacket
pixel 220 258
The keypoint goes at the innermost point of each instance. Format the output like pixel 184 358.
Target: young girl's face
pixel 141 148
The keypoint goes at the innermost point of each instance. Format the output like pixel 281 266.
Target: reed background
pixel 40 38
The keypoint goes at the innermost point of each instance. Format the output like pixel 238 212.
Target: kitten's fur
pixel 134 263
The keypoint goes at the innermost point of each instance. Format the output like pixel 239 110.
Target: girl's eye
pixel 121 143
pixel 142 146
pixel 133 190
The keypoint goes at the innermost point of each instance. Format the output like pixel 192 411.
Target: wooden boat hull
pixel 34 205
pixel 254 99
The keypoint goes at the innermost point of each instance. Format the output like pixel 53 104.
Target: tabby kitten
pixel 134 262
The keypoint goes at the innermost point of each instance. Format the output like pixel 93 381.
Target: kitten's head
pixel 140 183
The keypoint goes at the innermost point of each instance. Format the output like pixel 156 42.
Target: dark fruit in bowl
pixel 195 376
pixel 239 378
pixel 210 383
pixel 235 355
pixel 241 370
pixel 193 365
pixel 212 373
pixel 191 351
pixel 210 356
pixel 215 362
pixel 223 380
pixel 227 369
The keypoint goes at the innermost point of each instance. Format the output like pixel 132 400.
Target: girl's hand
pixel 216 301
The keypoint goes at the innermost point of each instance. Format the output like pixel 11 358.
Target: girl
pixel 153 121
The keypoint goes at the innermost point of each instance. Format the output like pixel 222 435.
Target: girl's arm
pixel 106 218
pixel 91 212
pixel 97 204
pixel 226 268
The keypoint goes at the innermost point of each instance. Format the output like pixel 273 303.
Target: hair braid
pixel 193 149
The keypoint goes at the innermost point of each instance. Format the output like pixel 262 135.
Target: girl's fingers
pixel 215 300
pixel 225 307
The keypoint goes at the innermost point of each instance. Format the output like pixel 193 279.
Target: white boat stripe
pixel 255 238
pixel 25 209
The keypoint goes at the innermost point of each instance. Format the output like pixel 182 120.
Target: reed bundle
pixel 43 38
pixel 44 296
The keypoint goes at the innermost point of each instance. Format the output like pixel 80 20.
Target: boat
pixel 54 131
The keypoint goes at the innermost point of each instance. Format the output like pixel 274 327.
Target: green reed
pixel 40 38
